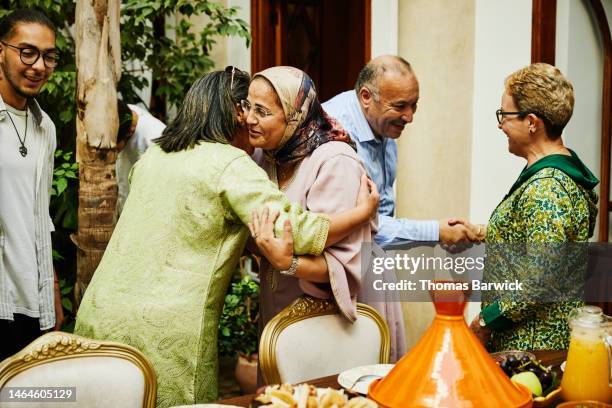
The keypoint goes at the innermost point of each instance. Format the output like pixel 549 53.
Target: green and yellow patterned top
pixel 551 203
pixel 161 282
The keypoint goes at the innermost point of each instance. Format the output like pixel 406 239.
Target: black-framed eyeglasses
pixel 260 111
pixel 29 55
pixel 500 114
pixel 231 70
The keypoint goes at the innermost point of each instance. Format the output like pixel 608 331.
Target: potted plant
pixel 238 329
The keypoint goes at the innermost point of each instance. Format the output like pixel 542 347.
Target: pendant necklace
pixel 22 149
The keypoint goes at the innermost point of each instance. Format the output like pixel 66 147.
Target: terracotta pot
pixel 246 373
pixel 448 367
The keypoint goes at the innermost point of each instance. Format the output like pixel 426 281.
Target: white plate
pixel 563 366
pixel 347 378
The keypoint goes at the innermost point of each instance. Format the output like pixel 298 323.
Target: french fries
pixel 307 396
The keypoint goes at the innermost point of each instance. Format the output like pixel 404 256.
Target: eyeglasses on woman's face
pixel 500 114
pixel 259 111
pixel 29 55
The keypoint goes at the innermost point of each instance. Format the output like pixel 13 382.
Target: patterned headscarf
pixel 308 126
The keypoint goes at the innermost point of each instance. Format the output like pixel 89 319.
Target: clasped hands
pixel 455 231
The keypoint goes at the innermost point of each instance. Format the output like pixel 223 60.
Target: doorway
pixel 328 39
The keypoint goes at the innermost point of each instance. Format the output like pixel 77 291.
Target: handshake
pixel 458 231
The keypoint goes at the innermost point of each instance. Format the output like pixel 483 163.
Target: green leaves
pixel 66 291
pixel 175 60
pixel 238 325
pixel 64 171
pixel 58 99
pixel 67 303
pixel 180 62
pixel 64 190
pixel 56 255
pixel 60 185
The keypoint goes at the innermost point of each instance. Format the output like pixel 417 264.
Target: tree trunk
pixel 98 59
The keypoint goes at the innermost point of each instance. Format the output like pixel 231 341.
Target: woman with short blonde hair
pixel 542 89
pixel 551 206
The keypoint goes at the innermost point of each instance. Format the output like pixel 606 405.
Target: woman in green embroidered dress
pixel 161 282
pixel 549 210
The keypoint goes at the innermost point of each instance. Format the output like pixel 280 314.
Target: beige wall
pixel 493 168
pixel 218 53
pixel 230 50
pixel 437 38
pixel 433 173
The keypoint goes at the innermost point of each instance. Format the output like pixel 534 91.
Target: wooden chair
pixel 310 339
pixel 103 373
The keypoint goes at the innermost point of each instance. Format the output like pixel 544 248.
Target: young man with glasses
pixel 29 294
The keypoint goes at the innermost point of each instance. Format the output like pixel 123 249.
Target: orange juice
pixel 587 370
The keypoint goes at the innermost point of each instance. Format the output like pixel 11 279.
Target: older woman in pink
pixel 315 163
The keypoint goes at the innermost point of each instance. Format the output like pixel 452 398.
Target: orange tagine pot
pixel 448 367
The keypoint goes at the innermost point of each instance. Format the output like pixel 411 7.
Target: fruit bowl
pixel 503 355
pixel 522 367
pixel 547 401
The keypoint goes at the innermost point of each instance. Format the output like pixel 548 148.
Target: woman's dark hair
pixel 208 112
pixel 27 16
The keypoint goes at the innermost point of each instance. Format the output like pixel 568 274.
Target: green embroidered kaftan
pixel 552 203
pixel 162 280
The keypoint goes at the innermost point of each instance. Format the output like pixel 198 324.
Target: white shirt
pixel 26 268
pixel 147 129
pixel 18 191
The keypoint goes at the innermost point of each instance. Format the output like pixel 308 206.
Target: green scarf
pixel 570 165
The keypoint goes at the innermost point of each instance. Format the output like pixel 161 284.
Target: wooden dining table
pixel 548 358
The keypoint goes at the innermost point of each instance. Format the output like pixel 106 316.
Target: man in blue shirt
pixel 375 113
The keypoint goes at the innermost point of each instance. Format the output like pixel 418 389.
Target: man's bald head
pixel 375 70
pixel 388 92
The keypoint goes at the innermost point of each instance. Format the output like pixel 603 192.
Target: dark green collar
pixel 570 165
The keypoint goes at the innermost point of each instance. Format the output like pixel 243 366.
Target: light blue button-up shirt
pixel 380 158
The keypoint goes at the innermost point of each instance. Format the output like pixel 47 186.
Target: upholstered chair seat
pixel 310 339
pixel 102 373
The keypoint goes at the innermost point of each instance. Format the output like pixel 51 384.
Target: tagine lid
pixel 448 367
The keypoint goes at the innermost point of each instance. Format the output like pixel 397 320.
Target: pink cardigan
pixel 328 182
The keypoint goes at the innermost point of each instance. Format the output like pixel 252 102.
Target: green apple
pixel 529 380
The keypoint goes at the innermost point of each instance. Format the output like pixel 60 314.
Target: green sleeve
pixel 492 315
pixel 544 208
pixel 244 186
